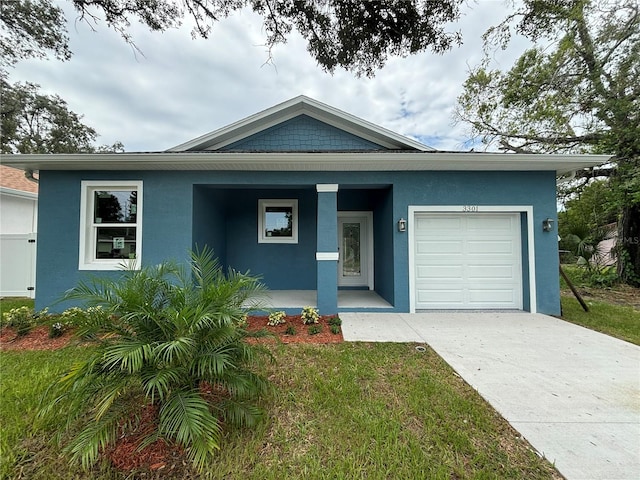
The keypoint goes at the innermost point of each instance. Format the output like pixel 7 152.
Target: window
pixel 110 224
pixel 277 221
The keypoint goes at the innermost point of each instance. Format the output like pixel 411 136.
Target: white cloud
pixel 182 88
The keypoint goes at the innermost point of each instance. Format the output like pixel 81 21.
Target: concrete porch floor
pixel 346 299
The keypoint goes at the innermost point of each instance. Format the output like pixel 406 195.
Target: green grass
pixel 340 411
pixel 7 304
pixel 616 320
pixel 608 312
pixel 23 377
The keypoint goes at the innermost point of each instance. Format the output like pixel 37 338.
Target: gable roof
pixel 295 107
pixel 215 150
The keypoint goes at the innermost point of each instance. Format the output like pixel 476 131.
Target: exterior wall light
pixel 547 224
pixel 402 225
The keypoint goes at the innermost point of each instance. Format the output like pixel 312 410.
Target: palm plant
pixel 171 333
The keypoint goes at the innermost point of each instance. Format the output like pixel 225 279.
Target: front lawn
pixel 347 410
pixel 613 310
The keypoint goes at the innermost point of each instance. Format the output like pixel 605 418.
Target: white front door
pixel 355 245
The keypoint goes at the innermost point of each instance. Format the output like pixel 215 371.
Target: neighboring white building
pixel 18 227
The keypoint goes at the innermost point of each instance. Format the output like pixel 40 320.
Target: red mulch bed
pixel 302 334
pixel 159 455
pixel 160 458
pixel 36 339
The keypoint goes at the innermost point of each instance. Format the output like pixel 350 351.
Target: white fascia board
pixel 12 192
pixel 294 161
pixel 291 108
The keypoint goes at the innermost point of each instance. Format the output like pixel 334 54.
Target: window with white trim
pixel 278 221
pixel 110 224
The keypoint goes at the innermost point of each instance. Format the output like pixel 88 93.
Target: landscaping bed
pixel 293 330
pixel 38 337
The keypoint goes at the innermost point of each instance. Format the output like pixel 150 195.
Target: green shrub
pixel 309 315
pixel 335 321
pixel 23 319
pixel 314 329
pixel 276 318
pixel 169 333
pixel 290 330
pixel 335 329
pixel 56 330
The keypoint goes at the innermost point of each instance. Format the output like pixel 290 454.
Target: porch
pixel 311 244
pixel 347 299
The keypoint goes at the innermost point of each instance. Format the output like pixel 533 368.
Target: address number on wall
pixel 470 208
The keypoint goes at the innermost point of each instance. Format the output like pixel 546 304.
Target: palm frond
pixel 241 414
pixel 93 438
pixel 177 350
pixel 205 267
pixel 127 355
pixel 157 383
pixel 185 417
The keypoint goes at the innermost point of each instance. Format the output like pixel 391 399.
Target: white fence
pixel 18 265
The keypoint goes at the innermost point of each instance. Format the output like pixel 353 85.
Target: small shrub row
pixel 310 316
pixel 24 319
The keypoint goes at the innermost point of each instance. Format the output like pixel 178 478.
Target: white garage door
pixel 467 261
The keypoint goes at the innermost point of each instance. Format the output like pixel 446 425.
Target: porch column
pixel 327 248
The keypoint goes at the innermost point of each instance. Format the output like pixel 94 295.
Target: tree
pixel 355 35
pixel 584 224
pixel 35 123
pixel 32 122
pixel 576 90
pixel 171 340
pixel 31 29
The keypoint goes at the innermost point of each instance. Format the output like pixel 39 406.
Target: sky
pixel 180 88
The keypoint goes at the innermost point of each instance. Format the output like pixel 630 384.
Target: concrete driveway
pixel 573 393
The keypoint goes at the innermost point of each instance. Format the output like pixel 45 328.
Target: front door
pixel 355 244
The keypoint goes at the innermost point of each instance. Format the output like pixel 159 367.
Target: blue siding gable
pixel 302 133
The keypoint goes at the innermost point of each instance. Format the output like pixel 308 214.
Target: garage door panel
pixel 491 272
pixel 441 223
pixel 488 260
pixel 467 261
pixel 428 247
pixel 485 260
pixel 441 272
pixel 490 246
pixel 490 224
pixel 444 259
pixel 441 296
pixel 491 297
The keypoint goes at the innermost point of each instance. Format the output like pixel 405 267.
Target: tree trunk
pixel 629 245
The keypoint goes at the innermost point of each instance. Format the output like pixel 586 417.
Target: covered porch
pixel 328 246
pixel 295 300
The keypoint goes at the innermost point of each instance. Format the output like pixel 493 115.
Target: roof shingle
pixel 14 178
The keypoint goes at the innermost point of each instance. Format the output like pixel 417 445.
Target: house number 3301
pixel 470 208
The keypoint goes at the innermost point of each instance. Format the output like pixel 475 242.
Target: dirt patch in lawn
pixel 625 295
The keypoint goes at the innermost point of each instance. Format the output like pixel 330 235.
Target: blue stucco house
pixel 329 209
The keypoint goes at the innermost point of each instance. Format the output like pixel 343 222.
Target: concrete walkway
pixel 573 393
